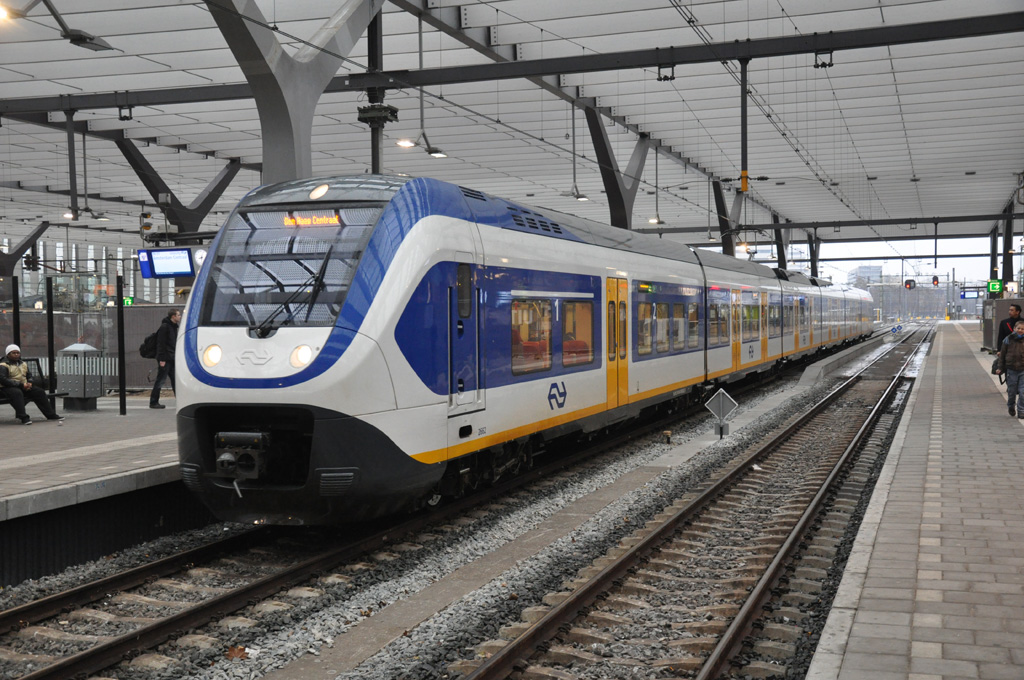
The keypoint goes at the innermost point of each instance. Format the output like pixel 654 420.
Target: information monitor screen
pixel 166 263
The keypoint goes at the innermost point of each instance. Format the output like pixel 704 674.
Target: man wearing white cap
pixel 16 384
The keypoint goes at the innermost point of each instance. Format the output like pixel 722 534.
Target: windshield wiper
pixel 318 284
pixel 262 330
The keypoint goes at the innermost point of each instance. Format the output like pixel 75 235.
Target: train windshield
pixel 280 267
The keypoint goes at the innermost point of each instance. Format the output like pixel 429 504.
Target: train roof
pixel 385 187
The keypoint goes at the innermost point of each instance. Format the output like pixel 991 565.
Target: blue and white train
pixel 354 346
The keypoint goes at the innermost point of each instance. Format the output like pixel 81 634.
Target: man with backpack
pixel 166 338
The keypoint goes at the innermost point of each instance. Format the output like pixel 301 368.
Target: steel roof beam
pixel 901 34
pixel 704 243
pixel 846 223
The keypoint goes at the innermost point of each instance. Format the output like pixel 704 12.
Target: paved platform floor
pixel 90 455
pixel 935 586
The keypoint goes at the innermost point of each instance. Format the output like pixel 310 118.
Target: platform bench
pixel 36 370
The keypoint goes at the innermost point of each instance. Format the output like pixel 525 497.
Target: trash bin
pixel 80 374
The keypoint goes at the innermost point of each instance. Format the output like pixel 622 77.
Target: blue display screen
pixel 166 263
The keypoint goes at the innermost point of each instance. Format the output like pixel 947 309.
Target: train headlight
pixel 301 356
pixel 212 355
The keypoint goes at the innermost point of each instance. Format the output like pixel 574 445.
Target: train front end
pixel 273 373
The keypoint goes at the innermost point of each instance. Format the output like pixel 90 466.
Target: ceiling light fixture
pixel 75 36
pixel 574 192
pixel 83 39
pixel 421 139
pixel 11 13
pixel 70 215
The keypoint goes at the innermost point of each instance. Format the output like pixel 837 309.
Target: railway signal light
pixel 910 284
pixel 31 263
pixel 935 280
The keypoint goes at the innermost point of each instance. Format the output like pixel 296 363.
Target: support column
pixel 781 242
pixel 287 88
pixel 186 218
pixel 1008 273
pixel 993 258
pixel 10 259
pixel 743 125
pixel 813 246
pixel 375 95
pixel 620 187
pixel 724 227
pixel 69 117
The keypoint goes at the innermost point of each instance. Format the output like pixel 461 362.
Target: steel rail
pixel 51 605
pixel 742 624
pixel 503 662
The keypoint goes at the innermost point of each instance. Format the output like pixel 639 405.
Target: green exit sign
pixel 995 286
pixel 129 301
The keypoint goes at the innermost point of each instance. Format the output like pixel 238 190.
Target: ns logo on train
pixel 556 395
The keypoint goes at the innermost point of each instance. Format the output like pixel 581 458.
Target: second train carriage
pixel 354 353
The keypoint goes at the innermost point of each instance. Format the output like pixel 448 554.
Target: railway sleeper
pixel 545 673
pixel 565 655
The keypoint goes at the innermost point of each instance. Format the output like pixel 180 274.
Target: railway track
pixel 100 624
pixel 714 586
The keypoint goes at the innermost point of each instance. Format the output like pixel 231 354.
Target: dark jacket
pixel 166 337
pixel 1006 328
pixel 14 373
pixel 1011 354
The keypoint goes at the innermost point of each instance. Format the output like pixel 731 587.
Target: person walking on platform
pixel 16 384
pixel 1011 362
pixel 166 337
pixel 1006 326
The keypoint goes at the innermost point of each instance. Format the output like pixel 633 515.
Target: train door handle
pixel 460 327
pixel 461 385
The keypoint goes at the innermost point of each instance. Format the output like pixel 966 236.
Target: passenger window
pixel 693 330
pixel 678 326
pixel 712 325
pixel 723 324
pixel 531 336
pixel 661 321
pixel 644 310
pixel 622 330
pixel 611 331
pixel 464 281
pixel 577 333
pixel 751 314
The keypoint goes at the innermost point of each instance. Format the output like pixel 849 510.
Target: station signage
pixel 995 286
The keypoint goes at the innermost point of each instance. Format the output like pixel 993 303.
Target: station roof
pixel 897 134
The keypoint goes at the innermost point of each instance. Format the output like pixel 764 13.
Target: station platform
pixel 89 455
pixel 934 588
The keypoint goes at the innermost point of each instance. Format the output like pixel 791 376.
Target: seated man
pixel 16 385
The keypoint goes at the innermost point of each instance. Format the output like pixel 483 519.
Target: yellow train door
pixel 737 338
pixel 616 341
pixel 764 326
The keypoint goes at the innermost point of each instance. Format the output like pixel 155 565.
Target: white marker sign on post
pixel 721 406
